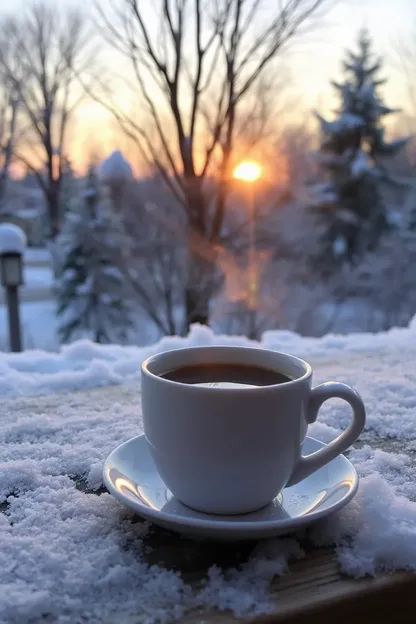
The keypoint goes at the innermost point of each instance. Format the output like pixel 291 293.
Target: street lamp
pixel 249 172
pixel 12 246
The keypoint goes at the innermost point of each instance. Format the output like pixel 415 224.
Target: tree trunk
pixel 52 197
pixel 8 154
pixel 200 259
pixel 53 207
pixel 3 179
pixel 197 293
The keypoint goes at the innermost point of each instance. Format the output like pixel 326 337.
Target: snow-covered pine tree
pixel 91 290
pixel 349 202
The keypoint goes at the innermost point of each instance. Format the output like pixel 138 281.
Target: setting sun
pixel 249 171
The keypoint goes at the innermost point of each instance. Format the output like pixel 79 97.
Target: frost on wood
pixel 12 239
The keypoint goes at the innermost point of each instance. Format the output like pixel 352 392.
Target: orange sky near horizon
pixel 312 62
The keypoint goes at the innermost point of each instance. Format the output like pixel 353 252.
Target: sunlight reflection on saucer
pixel 131 476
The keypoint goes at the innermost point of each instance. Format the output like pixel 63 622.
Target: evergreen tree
pixel 69 187
pixel 90 288
pixel 350 203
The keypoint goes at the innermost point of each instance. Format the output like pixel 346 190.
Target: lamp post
pixel 12 246
pixel 249 172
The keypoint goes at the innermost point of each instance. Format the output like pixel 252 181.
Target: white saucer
pixel 131 476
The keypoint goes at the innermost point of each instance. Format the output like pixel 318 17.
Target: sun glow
pixel 248 170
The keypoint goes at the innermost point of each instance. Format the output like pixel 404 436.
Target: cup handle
pixel 330 390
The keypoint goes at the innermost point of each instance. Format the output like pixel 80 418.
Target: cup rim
pixel 305 376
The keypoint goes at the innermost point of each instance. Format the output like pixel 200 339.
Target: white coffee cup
pixel 232 450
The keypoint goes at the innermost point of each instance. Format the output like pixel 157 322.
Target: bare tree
pixel 194 67
pixel 8 117
pixel 154 270
pixel 9 104
pixel 52 46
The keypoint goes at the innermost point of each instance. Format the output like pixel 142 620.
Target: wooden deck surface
pixel 313 591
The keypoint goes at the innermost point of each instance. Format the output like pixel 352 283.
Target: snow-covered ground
pixel 37 310
pixel 85 364
pixel 37 255
pixel 38 323
pixel 37 276
pixel 70 555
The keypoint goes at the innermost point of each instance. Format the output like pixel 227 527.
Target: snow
pixel 38 276
pixel 347 122
pixel 37 309
pixel 37 286
pixel 323 194
pixel 85 364
pixel 12 239
pixel 367 95
pixel 115 167
pixel 361 164
pixel 70 555
pixel 339 246
pixel 38 323
pixel 37 255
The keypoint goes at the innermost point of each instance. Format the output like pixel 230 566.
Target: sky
pixel 389 21
pixel 313 61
